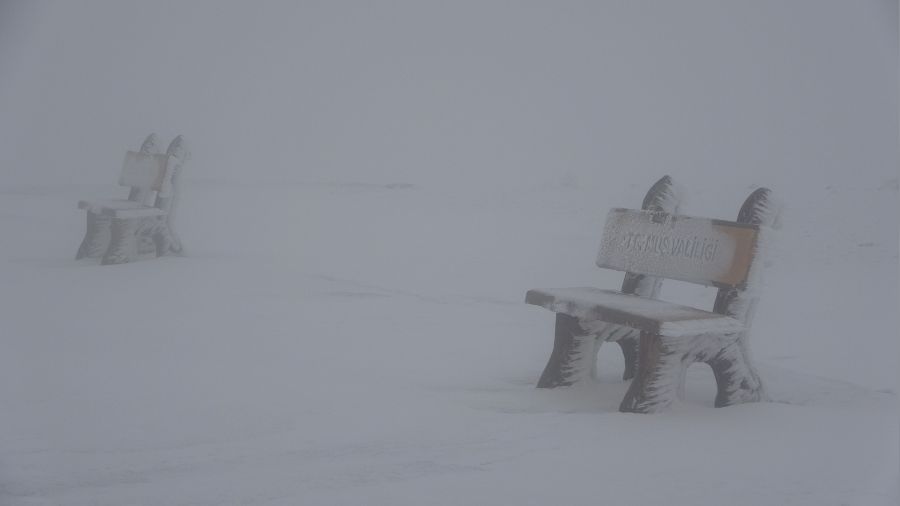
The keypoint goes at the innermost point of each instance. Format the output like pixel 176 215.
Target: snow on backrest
pixel 144 170
pixel 697 250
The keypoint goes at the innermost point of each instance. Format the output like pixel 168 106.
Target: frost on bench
pixel 664 361
pixel 659 339
pixel 737 379
pixel 121 231
pixel 575 348
pixel 641 313
pixel 697 250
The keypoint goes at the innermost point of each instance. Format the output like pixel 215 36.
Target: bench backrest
pixel 177 154
pixel 151 175
pixel 698 250
pixel 144 171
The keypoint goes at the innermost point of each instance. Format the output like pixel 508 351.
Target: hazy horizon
pixel 473 93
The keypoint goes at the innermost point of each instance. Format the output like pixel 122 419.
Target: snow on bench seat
pixel 121 208
pixel 100 205
pixel 642 313
pixel 138 212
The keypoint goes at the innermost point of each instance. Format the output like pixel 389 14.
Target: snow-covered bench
pixel 139 227
pixel 660 339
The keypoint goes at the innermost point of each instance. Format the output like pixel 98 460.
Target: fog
pixel 462 93
pixel 371 189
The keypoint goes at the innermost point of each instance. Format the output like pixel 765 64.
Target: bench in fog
pixel 661 339
pixel 140 226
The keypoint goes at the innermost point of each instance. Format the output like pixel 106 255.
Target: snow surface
pixel 387 358
pixel 373 189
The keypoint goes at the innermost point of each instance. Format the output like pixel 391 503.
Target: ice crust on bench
pixel 651 245
pixel 144 170
pixel 642 313
pixel 97 206
pixel 576 343
pixel 121 231
pixel 697 250
pixel 135 213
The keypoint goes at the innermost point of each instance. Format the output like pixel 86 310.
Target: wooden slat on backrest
pixel 697 250
pixel 143 170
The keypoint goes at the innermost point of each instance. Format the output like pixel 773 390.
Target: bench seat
pixel 135 213
pixel 101 205
pixel 642 313
pixel 127 209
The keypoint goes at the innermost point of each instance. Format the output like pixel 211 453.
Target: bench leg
pixel 167 241
pixel 573 350
pixel 659 378
pixel 96 237
pixel 736 379
pixel 123 242
pixel 175 247
pixel 625 337
pixel 645 286
pixel 164 238
pixel 630 350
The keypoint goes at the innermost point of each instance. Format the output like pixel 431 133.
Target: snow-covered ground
pixel 374 186
pixel 368 344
